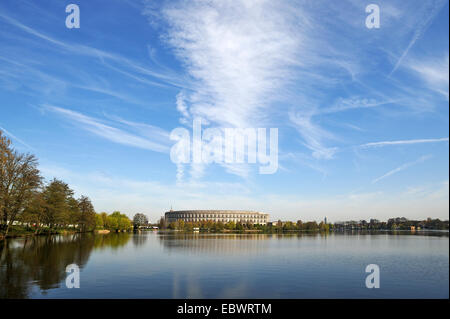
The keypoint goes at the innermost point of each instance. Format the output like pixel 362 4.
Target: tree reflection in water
pixel 41 261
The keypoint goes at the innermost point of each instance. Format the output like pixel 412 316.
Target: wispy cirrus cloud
pixel 313 135
pixel 401 168
pixel 404 142
pixel 151 141
pixel 432 8
pixel 353 103
pixel 244 57
pixel 14 137
pixel 292 65
pixel 433 71
pixel 126 66
pixel 239 55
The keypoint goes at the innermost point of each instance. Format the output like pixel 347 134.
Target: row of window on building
pixel 256 220
pixel 218 216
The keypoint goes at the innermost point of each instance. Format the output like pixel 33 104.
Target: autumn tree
pixel 34 213
pixel 19 180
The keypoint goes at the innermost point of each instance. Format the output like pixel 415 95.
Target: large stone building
pixel 224 216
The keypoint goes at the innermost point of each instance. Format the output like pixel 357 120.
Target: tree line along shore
pixel 392 224
pixel 31 206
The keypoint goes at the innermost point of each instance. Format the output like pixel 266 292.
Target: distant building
pixel 223 216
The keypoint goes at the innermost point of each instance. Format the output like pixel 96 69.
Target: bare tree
pixel 162 224
pixel 19 180
pixel 140 220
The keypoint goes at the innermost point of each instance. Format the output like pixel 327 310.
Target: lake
pixel 179 265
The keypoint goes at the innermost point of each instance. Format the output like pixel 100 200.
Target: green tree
pixel 59 204
pixel 231 225
pixel 99 221
pixel 310 226
pixel 104 217
pixel 87 214
pixel 324 227
pixel 118 222
pixel 112 223
pixel 124 222
pixel 74 212
pixel 181 224
pixel 288 226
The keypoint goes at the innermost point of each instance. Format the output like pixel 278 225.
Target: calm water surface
pixel 162 265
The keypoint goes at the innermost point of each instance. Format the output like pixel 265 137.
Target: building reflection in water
pixel 41 261
pixel 223 244
pixel 222 257
pixel 220 244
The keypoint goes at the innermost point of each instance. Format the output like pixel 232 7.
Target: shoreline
pixel 63 232
pixel 172 231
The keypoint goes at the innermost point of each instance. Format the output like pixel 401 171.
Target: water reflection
pixel 250 244
pixel 434 233
pixel 139 239
pixel 225 244
pixel 42 260
pixel 203 265
pixel 220 244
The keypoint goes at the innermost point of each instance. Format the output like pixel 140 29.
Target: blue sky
pixel 362 114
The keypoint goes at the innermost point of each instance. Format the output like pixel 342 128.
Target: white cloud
pixel 404 142
pixel 433 7
pixel 134 69
pixel 239 54
pixel 346 104
pixel 181 106
pixel 16 138
pixel 401 168
pixel 313 135
pixel 113 134
pixel 434 71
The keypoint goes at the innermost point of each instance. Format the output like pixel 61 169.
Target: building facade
pixel 223 216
